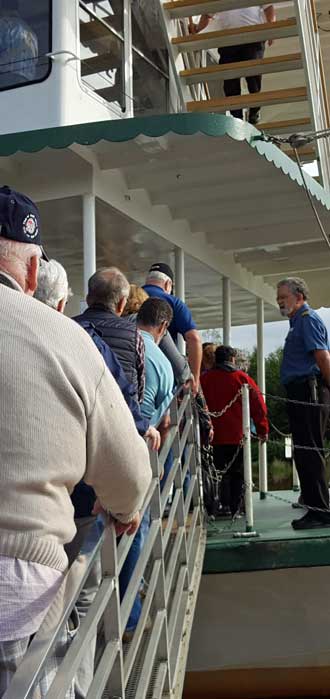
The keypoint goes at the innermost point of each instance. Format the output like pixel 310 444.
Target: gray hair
pixel 296 285
pixel 53 285
pixel 108 286
pixel 160 276
pixel 17 254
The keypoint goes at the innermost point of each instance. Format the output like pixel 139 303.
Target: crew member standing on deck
pixel 305 373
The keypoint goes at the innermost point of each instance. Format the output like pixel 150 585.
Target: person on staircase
pixel 234 19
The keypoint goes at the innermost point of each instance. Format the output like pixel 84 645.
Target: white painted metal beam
pixel 226 311
pixel 263 475
pixel 180 288
pixel 89 236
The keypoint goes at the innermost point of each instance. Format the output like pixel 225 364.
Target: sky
pixel 245 336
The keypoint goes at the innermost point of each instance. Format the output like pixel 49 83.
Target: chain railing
pixel 248 487
pixel 170 565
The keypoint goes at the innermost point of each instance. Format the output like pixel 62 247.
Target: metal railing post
pixel 247 458
pixel 263 473
pixel 158 554
pixel 112 623
pixel 178 483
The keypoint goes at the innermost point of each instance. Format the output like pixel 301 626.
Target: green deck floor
pixel 277 544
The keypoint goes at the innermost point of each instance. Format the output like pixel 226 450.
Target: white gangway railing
pixel 153 663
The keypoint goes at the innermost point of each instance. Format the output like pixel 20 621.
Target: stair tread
pixel 304 150
pixel 238 35
pixel 291 61
pixel 306 153
pixel 247 29
pixel 295 94
pixel 186 8
pixel 240 64
pixel 287 123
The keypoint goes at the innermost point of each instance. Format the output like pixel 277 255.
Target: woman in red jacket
pixel 220 386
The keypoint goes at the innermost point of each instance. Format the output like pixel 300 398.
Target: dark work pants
pixel 233 54
pixel 308 425
pixel 231 488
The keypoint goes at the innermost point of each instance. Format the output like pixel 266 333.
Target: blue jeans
pixel 167 467
pixel 128 569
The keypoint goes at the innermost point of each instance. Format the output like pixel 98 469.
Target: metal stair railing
pixel 313 66
pixel 153 663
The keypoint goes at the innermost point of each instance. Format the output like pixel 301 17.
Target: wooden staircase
pixel 284 101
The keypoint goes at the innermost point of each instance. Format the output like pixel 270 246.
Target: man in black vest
pixel 108 291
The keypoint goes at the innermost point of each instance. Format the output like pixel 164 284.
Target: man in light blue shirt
pixel 153 320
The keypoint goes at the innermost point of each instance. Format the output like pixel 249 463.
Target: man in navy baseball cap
pixel 20 241
pixel 159 283
pixel 163 268
pixel 19 218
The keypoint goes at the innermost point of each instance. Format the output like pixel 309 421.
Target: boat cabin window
pixel 25 39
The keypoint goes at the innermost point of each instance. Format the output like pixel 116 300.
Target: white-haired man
pixel 53 286
pixel 159 283
pixel 53 383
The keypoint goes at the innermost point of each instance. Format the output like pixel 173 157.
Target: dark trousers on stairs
pixel 233 54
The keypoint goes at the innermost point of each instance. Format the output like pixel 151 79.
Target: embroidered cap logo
pixel 30 226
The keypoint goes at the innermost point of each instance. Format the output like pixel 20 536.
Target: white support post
pixel 128 59
pixel 226 311
pixel 89 236
pixel 263 474
pixel 247 458
pixel 180 288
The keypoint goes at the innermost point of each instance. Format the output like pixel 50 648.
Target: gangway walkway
pixel 153 663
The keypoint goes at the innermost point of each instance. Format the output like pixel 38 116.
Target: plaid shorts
pixel 12 654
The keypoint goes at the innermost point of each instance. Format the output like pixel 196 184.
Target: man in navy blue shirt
pixel 159 283
pixel 305 373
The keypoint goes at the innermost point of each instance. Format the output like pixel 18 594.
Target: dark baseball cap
pixel 19 218
pixel 163 268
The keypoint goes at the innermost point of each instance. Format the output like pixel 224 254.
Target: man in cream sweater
pixel 62 418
